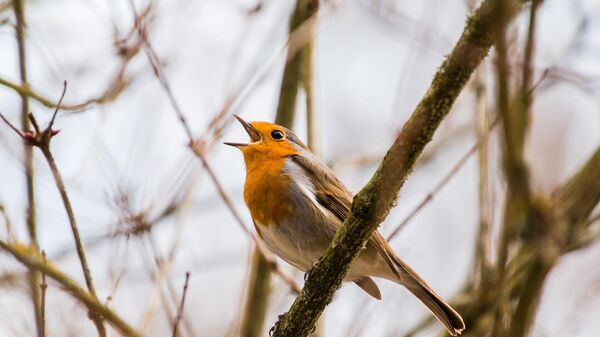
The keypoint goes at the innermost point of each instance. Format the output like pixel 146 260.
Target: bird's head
pixel 268 140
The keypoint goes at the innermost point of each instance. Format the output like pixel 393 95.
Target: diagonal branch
pixel 33 259
pixel 198 147
pixel 372 204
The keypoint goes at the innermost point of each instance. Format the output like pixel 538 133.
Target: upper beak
pixel 252 132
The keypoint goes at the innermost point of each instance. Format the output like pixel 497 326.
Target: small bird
pixel 297 204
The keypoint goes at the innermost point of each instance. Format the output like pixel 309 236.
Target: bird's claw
pixel 272 331
pixel 313 266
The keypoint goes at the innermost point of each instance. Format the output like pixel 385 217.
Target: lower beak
pixel 238 145
pixel 252 132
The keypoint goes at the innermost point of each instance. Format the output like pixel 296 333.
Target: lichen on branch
pixel 372 204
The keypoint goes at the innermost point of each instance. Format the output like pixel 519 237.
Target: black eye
pixel 277 135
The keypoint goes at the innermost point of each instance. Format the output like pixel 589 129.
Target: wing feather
pixel 335 197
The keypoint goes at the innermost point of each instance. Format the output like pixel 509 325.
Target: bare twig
pixel 33 259
pixel 33 277
pixel 41 139
pixel 441 184
pixel 372 204
pixel 297 70
pixel 9 229
pixel 179 316
pixel 43 287
pixel 482 245
pixel 198 148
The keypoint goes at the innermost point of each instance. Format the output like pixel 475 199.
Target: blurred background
pixel 148 212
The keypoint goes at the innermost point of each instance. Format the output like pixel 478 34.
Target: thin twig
pixel 19 11
pixel 288 279
pixel 43 287
pixel 373 203
pixel 482 248
pixel 438 187
pixel 9 229
pixel 179 316
pixel 32 259
pixel 198 149
pixel 41 139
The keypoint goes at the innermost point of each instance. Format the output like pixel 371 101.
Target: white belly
pixel 294 244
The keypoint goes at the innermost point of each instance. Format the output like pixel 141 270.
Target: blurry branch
pixel 198 147
pixel 5 5
pixel 297 72
pixel 372 204
pixel 43 288
pixel 179 316
pixel 259 288
pixel 482 259
pixel 31 258
pixel 296 39
pixel 119 83
pixel 127 49
pixel 438 187
pixel 537 230
pixel 41 139
pixel 139 224
pixel 163 266
pixel 522 211
pixel 298 62
pixel 482 245
pixel 33 276
pixel 566 220
pixel 7 223
pixel 576 199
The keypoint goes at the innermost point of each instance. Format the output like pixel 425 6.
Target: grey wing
pixel 335 197
pixel 329 191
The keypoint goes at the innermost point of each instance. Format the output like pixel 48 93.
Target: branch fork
pixel 37 137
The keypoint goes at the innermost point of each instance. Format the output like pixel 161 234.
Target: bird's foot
pixel 312 266
pixel 272 331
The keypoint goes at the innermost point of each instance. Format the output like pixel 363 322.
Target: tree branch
pixel 296 71
pixel 33 276
pixel 372 204
pixel 298 51
pixel 32 259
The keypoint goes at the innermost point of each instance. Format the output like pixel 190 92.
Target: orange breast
pixel 266 191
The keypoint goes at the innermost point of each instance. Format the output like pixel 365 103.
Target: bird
pixel 297 204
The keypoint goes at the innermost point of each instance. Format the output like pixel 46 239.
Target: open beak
pixel 252 132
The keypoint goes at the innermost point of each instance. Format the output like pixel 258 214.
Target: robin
pixel 297 204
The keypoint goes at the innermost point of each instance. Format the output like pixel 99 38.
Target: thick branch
pixel 372 204
pixel 577 198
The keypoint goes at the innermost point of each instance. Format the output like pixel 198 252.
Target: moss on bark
pixel 372 204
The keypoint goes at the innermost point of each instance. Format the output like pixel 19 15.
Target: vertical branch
pixel 259 286
pixel 298 51
pixel 33 276
pixel 521 212
pixel 373 203
pixel 482 125
pixel 43 287
pixel 306 80
pixel 297 72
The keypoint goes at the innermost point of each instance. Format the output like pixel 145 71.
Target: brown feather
pixel 336 198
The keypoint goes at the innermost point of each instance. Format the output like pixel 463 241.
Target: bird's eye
pixel 277 135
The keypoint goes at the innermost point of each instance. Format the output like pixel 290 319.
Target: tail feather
pixel 440 309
